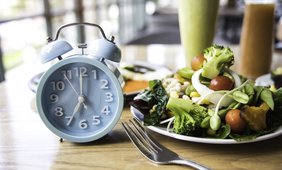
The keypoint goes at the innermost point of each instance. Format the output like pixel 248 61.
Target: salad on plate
pixel 209 100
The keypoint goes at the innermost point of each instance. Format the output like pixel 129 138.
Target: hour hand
pixel 78 106
pixel 76 109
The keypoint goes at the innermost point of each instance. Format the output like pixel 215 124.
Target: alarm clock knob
pixel 54 49
pixel 82 46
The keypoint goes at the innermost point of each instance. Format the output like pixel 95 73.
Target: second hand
pixel 84 105
pixel 71 85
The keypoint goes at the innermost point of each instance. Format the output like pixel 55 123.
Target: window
pixel 24 24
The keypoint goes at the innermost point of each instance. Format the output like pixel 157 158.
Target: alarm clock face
pixel 79 99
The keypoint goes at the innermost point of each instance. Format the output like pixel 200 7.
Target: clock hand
pixel 80 89
pixel 76 109
pixel 80 84
pixel 84 105
pixel 80 102
pixel 71 85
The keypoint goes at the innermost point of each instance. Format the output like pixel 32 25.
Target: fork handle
pixel 190 163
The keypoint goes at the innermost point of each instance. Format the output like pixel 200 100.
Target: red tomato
pixel 236 122
pixel 197 62
pixel 221 83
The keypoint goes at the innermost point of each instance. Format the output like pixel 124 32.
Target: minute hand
pixel 80 84
pixel 81 88
pixel 84 105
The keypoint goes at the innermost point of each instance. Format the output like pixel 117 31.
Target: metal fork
pixel 153 150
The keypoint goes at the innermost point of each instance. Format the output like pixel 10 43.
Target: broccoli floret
pixel 217 57
pixel 188 116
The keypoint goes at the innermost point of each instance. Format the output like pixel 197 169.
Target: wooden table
pixel 25 142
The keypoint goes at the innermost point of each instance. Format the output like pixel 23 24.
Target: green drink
pixel 197 20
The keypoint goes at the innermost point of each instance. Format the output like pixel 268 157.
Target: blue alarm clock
pixel 80 98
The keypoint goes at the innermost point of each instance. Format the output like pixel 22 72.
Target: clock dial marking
pixel 59 111
pixel 82 99
pixel 54 98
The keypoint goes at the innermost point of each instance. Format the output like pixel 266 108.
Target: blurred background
pixel 25 24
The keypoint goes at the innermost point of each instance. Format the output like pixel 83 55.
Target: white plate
pixel 264 80
pixel 152 71
pixel 163 131
pixel 149 71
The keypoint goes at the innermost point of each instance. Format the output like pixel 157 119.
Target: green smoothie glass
pixel 197 21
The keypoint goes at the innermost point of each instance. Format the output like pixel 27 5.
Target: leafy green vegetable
pixel 260 94
pixel 144 101
pixel 266 96
pixel 258 90
pixel 152 103
pixel 217 58
pixel 277 98
pixel 249 89
pixel 274 119
pixel 188 116
pixel 240 138
pixel 223 132
pixel 158 110
pixel 234 105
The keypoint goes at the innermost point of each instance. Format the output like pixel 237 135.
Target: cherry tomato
pixel 197 62
pixel 236 122
pixel 221 83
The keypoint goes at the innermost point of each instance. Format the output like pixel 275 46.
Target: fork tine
pixel 138 140
pixel 141 130
pixel 152 141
